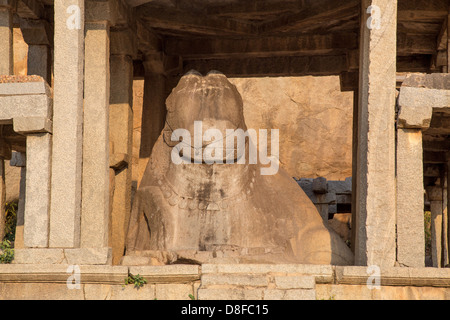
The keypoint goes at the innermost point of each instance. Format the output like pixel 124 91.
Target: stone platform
pixel 223 282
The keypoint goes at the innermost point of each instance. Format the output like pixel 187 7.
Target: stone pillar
pixel 95 190
pixel 19 160
pixel 435 197
pixel 154 108
pixel 375 210
pixel 6 37
pixel 2 198
pixel 121 135
pixel 37 34
pixel 448 209
pixel 412 120
pixel 67 124
pixel 355 176
pixel 37 205
pixel 445 248
pixel 410 199
pixel 6 68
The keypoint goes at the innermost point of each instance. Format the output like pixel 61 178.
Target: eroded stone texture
pixel 305 110
pixel 229 210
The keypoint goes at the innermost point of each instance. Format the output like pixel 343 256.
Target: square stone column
pixel 448 210
pixel 37 205
pixel 37 34
pixel 154 107
pixel 67 124
pixel 435 196
pixel 18 160
pixel 375 191
pixel 2 197
pixel 6 36
pixel 95 190
pixel 412 120
pixel 123 48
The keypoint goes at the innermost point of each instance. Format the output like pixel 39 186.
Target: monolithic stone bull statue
pixel 197 212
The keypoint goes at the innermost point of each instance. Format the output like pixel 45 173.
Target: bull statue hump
pixel 197 212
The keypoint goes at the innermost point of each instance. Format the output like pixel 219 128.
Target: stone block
pixel 38 256
pixel 27 88
pixel 174 291
pixel 321 273
pixel 234 280
pixel 230 294
pixel 320 185
pixel 37 192
pixel 295 282
pixel 29 125
pixel 18 159
pixel 88 256
pixel 300 295
pixel 167 274
pixel 25 106
pixel 129 292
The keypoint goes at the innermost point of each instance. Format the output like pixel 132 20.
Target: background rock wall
pixel 314 118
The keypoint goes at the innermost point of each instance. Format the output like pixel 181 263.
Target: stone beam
pixel 148 42
pixel 156 17
pixel 436 145
pixel 376 201
pixel 434 157
pixel 422 10
pixel 192 49
pixel 408 44
pixel 273 66
pixel 316 11
pixel 30 9
pixel 38 34
pixel 415 63
pixel 65 215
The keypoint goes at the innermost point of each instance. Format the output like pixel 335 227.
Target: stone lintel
pixel 123 42
pixel 49 256
pixel 36 32
pixel 416 106
pixel 102 10
pixel 31 125
pixel 23 85
pixel 88 256
pixel 59 273
pixel 9 4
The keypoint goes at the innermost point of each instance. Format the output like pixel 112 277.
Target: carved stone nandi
pixel 222 212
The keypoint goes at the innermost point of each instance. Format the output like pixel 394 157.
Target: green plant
pixel 11 221
pixel 6 252
pixel 137 280
pixel 191 296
